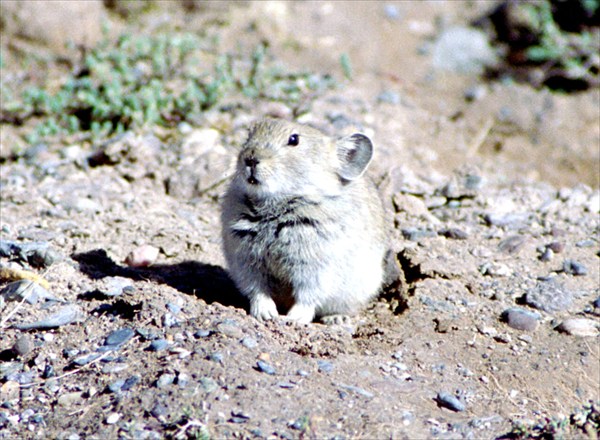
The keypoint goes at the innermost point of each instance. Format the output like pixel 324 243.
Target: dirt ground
pixel 493 316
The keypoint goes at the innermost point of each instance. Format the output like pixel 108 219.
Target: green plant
pixel 142 81
pixel 571 54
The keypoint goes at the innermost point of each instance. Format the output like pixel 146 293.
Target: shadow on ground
pixel 206 281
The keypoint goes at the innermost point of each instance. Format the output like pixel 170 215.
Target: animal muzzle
pixel 250 164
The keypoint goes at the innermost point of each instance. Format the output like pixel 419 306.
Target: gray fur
pixel 303 230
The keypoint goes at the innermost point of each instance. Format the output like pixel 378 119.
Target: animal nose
pixel 251 161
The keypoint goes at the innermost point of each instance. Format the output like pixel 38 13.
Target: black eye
pixel 294 140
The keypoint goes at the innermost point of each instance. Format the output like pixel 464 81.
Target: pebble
pixel 495 270
pixel 521 319
pixel 264 367
pixel 209 384
pixel 38 254
pixel 81 204
pixel 10 390
pixel 249 342
pixel 391 11
pixel 183 380
pixel 113 368
pixel 169 320
pixel 389 97
pixel 324 366
pixel 549 296
pixel 202 333
pixel 547 254
pixel 69 399
pixel 230 329
pixel 579 327
pixel 130 382
pixel 26 290
pixel 116 286
pixel 216 357
pixel 165 380
pixel 86 359
pixel 116 386
pixel 158 345
pixel 66 315
pixel 357 390
pixel 573 267
pixel 142 256
pixel 416 234
pixel 119 337
pixel 454 234
pixel 23 345
pixel 449 401
pixel 509 221
pixel 113 418
pixel 556 246
pixel 462 49
pixel 512 244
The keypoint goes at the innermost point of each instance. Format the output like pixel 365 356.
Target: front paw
pixel 262 307
pixel 301 313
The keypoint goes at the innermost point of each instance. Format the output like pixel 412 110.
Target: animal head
pixel 281 158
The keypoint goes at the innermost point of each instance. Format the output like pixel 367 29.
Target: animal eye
pixel 293 140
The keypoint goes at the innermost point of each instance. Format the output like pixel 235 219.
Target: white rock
pixel 142 256
pixel 579 327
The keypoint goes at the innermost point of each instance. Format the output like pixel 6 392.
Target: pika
pixel 303 228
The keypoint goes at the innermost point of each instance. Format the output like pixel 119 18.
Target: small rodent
pixel 303 229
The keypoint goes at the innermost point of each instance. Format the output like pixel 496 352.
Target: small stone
pixel 239 417
pixel 116 386
pixel 116 286
pixel 454 234
pixel 324 366
pixel 86 359
pixel 579 327
pixel 442 325
pixel 549 296
pixel 169 320
pixel 174 308
pixel 119 337
pixel 249 342
pixel 183 380
pixel 69 399
pixel 512 244
pixel 113 418
pixel 391 11
pixel 209 384
pixel 573 267
pixel 487 330
pixel 231 330
pixel 556 246
pixel 142 256
pixel 547 255
pixel 158 345
pixel 65 315
pixel 23 345
pixel 10 390
pixel 202 333
pixel 113 368
pixel 264 367
pixel 389 97
pixel 416 234
pixel 130 382
pixel 216 357
pixel 357 390
pixel 449 401
pixel 521 319
pixel 25 290
pixel 495 270
pixel 165 380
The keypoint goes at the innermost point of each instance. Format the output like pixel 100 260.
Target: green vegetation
pixel 554 43
pixel 571 52
pixel 142 81
pixel 586 419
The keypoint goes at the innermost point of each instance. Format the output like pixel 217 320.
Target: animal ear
pixel 354 153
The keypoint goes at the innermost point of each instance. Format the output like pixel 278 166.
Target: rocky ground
pixel 489 327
